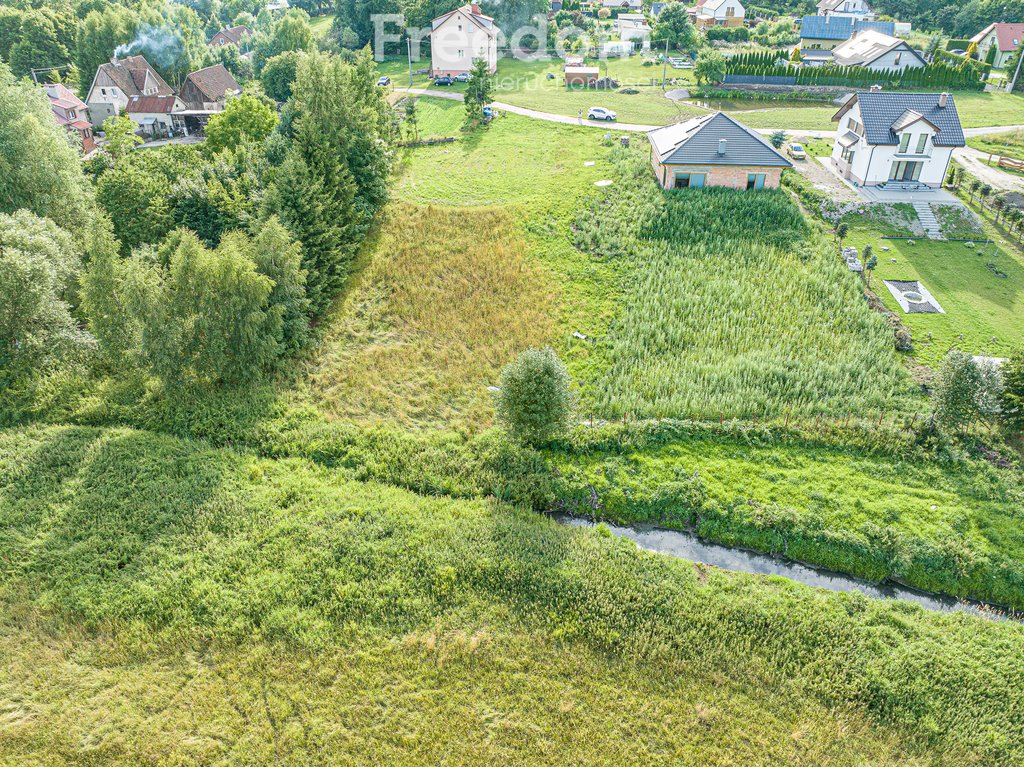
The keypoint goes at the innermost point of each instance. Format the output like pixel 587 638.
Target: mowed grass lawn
pixel 984 313
pixel 168 603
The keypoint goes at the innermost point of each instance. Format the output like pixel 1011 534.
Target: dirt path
pixel 976 163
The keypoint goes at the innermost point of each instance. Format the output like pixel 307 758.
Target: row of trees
pixel 963 76
pixel 196 265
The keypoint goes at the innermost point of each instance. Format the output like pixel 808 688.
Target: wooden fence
pixel 1009 162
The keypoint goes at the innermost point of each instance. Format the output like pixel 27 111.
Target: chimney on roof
pixel 474 8
pixel 876 88
pixel 943 98
pixel 721 146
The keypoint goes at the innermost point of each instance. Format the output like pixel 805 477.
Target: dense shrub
pixel 535 402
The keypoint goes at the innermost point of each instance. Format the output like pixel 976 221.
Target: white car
pixel 600 113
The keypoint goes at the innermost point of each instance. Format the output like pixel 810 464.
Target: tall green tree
pixel 1012 399
pixel 278 75
pixel 40 168
pixel 38 45
pixel 710 66
pixel 38 264
pixel 244 117
pixel 675 26
pixel 99 35
pixel 313 195
pixel 205 317
pixel 956 392
pixel 478 90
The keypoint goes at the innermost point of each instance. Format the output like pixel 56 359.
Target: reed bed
pixel 734 306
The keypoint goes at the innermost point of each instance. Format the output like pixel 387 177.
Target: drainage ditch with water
pixel 688 546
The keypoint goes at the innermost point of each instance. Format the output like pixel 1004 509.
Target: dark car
pixel 443 80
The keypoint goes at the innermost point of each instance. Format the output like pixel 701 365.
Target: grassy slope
pixel 982 310
pixel 1009 144
pixel 169 603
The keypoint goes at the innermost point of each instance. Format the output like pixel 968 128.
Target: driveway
pixel 976 163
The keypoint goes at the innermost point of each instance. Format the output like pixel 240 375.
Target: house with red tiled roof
pixel 72 114
pixel 208 89
pixel 231 36
pixel 1005 37
pixel 117 81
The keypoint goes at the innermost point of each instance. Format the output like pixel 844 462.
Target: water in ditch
pixel 688 546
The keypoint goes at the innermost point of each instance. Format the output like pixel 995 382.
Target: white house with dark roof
pixel 714 150
pixel 875 50
pixel 857 9
pixel 896 139
pixel 460 37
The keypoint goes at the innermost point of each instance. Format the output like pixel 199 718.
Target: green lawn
pixel 164 602
pixel 525 83
pixel 321 25
pixel 437 118
pixel 1009 144
pixel 982 310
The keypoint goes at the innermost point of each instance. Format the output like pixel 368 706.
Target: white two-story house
pixel 903 139
pixel 459 38
pixel 717 13
pixel 857 9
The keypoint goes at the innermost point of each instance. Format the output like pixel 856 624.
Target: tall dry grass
pixel 448 297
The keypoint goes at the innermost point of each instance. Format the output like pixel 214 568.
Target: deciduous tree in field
pixel 42 171
pixel 710 67
pixel 535 402
pixel 674 25
pixel 243 117
pixel 956 391
pixel 38 263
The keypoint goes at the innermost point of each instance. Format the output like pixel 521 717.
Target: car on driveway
pixel 443 80
pixel 383 81
pixel 796 151
pixel 462 77
pixel 600 113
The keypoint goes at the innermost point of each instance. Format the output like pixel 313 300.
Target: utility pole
pixel 664 65
pixel 1016 72
pixel 408 49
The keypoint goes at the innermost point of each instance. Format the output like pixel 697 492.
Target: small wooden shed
pixel 581 75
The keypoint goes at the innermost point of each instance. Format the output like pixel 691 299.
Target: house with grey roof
pixel 896 140
pixel 857 9
pixel 826 32
pixel 714 150
pixel 874 50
